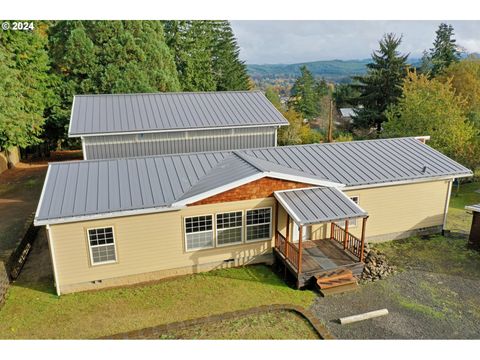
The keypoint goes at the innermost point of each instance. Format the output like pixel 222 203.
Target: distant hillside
pixel 333 70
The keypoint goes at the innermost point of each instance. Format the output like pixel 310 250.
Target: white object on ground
pixel 364 316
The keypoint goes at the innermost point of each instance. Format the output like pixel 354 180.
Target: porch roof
pixel 474 208
pixel 318 205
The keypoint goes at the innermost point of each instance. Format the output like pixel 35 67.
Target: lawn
pixel 274 325
pixel 33 311
pixel 458 219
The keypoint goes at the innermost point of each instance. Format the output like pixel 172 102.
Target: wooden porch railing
pixel 287 249
pixel 350 243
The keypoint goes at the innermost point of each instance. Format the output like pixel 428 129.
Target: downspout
pixel 84 148
pixel 52 254
pixel 447 202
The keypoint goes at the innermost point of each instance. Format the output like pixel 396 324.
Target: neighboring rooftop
pixel 157 112
pixel 149 184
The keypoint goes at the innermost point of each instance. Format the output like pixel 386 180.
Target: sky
pixel 286 42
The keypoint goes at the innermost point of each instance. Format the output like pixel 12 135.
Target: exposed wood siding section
pixel 257 189
pixel 117 146
pixel 396 209
pixel 146 243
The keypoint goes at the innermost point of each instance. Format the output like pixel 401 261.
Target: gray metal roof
pixel 318 205
pixel 474 208
pixel 85 188
pixel 126 113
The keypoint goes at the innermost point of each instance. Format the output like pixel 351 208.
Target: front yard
pixel 434 295
pixel 32 309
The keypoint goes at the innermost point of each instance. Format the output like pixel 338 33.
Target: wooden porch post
pixel 287 237
pixel 364 224
pixel 276 223
pixel 345 238
pixel 300 234
pixel 332 230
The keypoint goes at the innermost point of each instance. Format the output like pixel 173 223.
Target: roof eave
pixel 101 216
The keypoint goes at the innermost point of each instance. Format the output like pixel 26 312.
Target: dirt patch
pixel 38 267
pixel 20 190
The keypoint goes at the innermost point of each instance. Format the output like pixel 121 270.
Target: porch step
pixel 336 281
pixel 339 289
pixel 334 275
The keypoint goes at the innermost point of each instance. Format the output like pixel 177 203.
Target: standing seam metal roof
pixel 474 208
pixel 82 188
pixel 124 113
pixel 318 205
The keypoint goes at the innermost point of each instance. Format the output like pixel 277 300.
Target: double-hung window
pixel 199 232
pixel 229 228
pixel 101 242
pixel 259 224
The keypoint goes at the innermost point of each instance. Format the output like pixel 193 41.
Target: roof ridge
pixel 173 93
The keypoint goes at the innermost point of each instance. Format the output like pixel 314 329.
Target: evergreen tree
pixel 304 94
pixel 25 85
pixel 229 71
pixel 381 86
pixel 443 53
pixel 191 43
pixel 345 95
pixel 107 57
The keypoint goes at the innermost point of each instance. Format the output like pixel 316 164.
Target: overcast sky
pixel 273 42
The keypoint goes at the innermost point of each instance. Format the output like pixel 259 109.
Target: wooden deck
pixel 320 256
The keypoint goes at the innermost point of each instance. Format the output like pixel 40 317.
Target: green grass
pixel 436 254
pixel 458 219
pixel 33 311
pixel 275 325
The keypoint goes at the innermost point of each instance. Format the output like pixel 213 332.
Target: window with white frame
pixel 351 222
pixel 199 232
pixel 259 224
pixel 229 228
pixel 101 242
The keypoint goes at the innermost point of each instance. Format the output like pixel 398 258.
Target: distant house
pixel 129 125
pixel 126 220
pixel 347 114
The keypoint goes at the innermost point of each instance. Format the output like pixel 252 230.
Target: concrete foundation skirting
pixel 404 234
pixel 163 274
pixel 155 332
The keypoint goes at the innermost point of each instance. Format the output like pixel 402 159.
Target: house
pixel 128 125
pixel 346 115
pixel 311 207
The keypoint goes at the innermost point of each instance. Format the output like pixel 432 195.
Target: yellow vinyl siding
pixel 147 243
pixel 397 209
pixel 156 242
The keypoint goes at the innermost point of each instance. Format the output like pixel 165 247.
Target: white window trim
pixel 114 246
pixel 270 229
pixel 350 225
pixel 244 221
pixel 357 203
pixel 199 232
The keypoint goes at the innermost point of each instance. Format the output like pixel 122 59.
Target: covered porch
pixel 312 233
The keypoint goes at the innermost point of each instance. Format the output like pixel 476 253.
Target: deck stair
pixel 336 281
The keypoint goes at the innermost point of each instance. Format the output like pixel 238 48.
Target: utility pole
pixel 330 123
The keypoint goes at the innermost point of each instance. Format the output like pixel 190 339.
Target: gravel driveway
pixel 421 305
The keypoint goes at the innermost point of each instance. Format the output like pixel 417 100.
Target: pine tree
pixel 191 43
pixel 381 86
pixel 443 53
pixel 229 71
pixel 304 94
pixel 107 57
pixel 25 85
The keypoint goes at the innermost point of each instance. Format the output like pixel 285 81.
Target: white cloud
pixel 300 41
